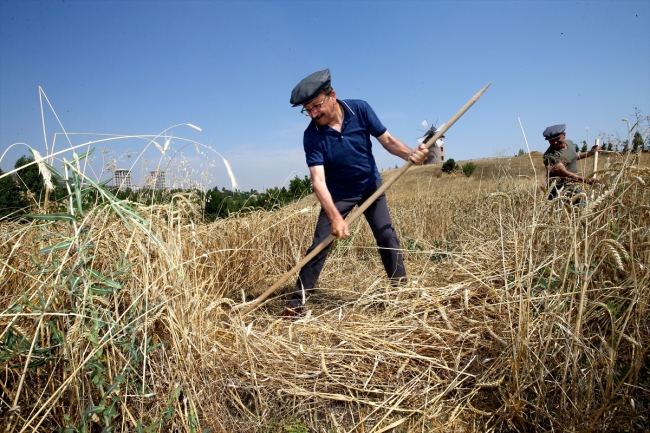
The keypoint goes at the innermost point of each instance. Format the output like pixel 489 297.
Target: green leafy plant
pixel 449 166
pixel 469 168
pixel 78 308
pixel 295 425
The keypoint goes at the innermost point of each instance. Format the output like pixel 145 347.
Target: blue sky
pixel 139 67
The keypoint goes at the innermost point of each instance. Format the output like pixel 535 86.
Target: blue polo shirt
pixel 350 167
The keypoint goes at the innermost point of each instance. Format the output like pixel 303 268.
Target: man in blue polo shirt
pixel 343 171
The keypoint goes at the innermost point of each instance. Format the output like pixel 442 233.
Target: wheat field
pixel 520 314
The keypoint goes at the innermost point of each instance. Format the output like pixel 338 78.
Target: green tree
pixel 521 152
pixel 468 169
pixel 220 204
pixel 584 146
pixel 11 199
pixel 449 166
pixel 637 142
pixel 29 179
pixel 300 187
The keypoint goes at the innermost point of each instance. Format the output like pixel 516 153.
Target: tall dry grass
pixel 520 315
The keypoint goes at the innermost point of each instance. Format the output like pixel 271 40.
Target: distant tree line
pixel 221 203
pixel 25 190
pixel 639 144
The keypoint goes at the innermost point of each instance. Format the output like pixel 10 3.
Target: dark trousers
pixel 382 228
pixel 567 192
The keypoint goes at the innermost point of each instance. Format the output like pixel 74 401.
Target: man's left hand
pixel 594 149
pixel 419 155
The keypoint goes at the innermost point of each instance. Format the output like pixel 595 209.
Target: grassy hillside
pixel 520 314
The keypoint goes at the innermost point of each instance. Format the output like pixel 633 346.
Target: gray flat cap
pixel 554 131
pixel 310 87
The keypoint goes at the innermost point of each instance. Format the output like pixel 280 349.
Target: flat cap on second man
pixel 310 87
pixel 554 131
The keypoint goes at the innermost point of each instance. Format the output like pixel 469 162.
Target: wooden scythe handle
pixel 250 306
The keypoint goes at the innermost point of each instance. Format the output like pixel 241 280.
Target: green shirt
pixel 568 157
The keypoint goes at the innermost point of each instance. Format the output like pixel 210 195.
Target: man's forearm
pixel 399 149
pixel 583 155
pixel 394 146
pixel 339 227
pixel 569 175
pixel 323 193
pixel 327 203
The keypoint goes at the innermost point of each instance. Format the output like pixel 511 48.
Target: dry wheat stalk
pixel 367 354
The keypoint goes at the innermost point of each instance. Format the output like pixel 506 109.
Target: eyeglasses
pixel 307 111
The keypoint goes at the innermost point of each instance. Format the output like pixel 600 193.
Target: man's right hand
pixel 340 228
pixel 592 181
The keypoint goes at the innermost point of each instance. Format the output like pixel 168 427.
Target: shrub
pixel 468 169
pixel 449 166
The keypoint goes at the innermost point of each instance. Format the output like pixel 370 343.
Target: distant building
pixel 436 152
pixel 158 179
pixel 155 180
pixel 122 179
pixel 199 186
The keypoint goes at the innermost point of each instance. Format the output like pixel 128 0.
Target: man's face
pixel 323 108
pixel 557 142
